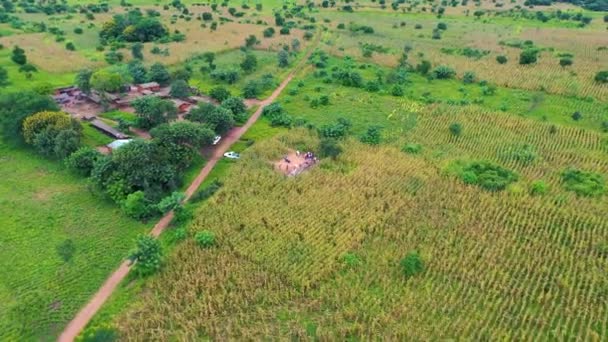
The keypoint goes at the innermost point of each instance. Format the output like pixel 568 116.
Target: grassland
pixel 42 207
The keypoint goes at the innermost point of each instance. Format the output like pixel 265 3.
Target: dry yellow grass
pixel 48 55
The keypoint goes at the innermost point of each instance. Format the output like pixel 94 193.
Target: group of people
pixel 309 158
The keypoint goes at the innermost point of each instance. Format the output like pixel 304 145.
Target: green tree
pixel 249 63
pixel 158 73
pixel 423 67
pixel 501 59
pixel 137 50
pixel 83 80
pixel 18 56
pixel 191 134
pixel 528 56
pixel 138 71
pixel 235 105
pixel 16 106
pixel 269 32
pixel 250 41
pixel 83 160
pixel 565 61
pixel 209 57
pixel 283 59
pixel 219 93
pixel 147 256
pixel 153 111
pixel 180 89
pixel 52 133
pixel 106 80
pixel 3 77
pixel 220 120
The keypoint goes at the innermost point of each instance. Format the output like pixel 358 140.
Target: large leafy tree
pixel 138 71
pixel 180 89
pixel 220 119
pixel 52 133
pixel 153 111
pixel 184 133
pixel 107 80
pixel 16 106
pixel 83 80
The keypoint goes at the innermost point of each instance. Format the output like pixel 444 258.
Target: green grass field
pixel 42 207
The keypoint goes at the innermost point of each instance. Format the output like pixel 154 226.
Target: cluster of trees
pixel 132 27
pixel 220 119
pixel 52 134
pixel 487 175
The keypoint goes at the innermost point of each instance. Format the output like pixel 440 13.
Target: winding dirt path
pixel 85 315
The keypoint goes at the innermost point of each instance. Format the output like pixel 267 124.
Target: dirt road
pixel 83 317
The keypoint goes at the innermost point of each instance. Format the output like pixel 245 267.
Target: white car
pixel 217 139
pixel 232 155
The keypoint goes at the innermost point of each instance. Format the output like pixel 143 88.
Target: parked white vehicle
pixel 232 155
pixel 217 139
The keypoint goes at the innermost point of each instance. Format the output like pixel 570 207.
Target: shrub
pixel 372 136
pixel 78 30
pixel 137 206
pixel 583 183
pixel 148 255
pixel 397 90
pixel 538 188
pixel 528 56
pixel 442 26
pixel 70 46
pixel 469 77
pixel 83 160
pixel 284 31
pixel 501 59
pixel 487 175
pixel 456 129
pixel 268 32
pixel 329 147
pixel 170 202
pixel 601 76
pixel 205 239
pixel 277 115
pixel 351 260
pixel 443 72
pixel 206 192
pixel 66 250
pixel 411 264
pixel 525 154
pixel 338 130
pixel 412 148
pixel 566 61
pixel 577 116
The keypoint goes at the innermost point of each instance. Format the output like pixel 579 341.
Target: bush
pixel 147 255
pixel 528 56
pixel 70 46
pixel 83 160
pixel 525 154
pixel 601 76
pixel 538 188
pixel 442 26
pixel 329 147
pixel 170 202
pixel 268 32
pixel 78 30
pixel 456 129
pixel 576 116
pixel 501 59
pixel 487 175
pixel 412 264
pixel 566 61
pixel 206 192
pixel 66 250
pixel 443 72
pixel 372 136
pixel 205 239
pixel 138 207
pixel 277 115
pixel 412 148
pixel 397 90
pixel 336 131
pixel 469 77
pixel 584 183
